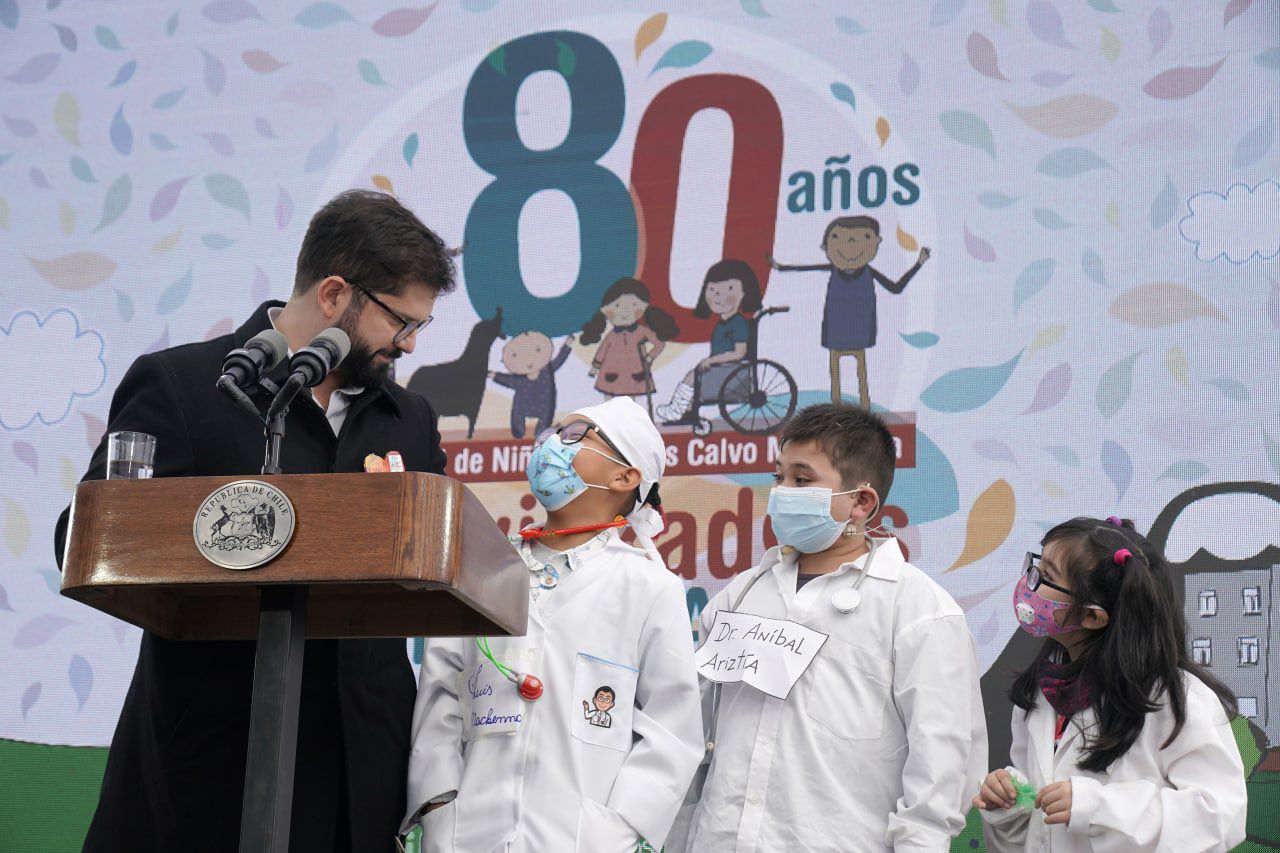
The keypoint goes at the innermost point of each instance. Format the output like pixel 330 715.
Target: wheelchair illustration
pixel 754 395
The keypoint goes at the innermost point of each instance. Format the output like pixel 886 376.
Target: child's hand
pixel 925 254
pixel 997 791
pixel 492 374
pixel 1055 801
pixel 586 709
pixel 773 263
pixel 593 371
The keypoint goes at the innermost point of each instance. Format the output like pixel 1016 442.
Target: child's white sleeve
pixel 655 776
pixel 1006 829
pixel 935 690
pixel 1205 808
pixel 435 759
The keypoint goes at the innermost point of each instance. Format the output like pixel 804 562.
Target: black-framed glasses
pixel 408 328
pixel 573 432
pixel 1035 577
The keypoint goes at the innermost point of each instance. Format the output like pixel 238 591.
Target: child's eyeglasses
pixel 573 432
pixel 1036 578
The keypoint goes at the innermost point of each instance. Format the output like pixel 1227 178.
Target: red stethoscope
pixel 529 685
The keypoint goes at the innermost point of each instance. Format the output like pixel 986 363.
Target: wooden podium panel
pixel 382 555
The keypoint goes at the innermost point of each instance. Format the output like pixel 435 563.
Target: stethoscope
pixel 845 599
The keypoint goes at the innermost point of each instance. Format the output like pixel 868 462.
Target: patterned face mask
pixel 551 473
pixel 1035 613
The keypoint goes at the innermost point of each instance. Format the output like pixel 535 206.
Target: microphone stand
pixel 275 422
pixel 277 682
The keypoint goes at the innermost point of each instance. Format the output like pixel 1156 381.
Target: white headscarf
pixel 628 426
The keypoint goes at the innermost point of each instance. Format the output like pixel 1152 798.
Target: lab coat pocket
pixel 604 696
pixel 602 830
pixel 848 690
pixel 437 829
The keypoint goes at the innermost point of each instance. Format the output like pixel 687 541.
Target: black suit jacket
pixel 175 773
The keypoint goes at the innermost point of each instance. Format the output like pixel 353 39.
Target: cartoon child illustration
pixel 729 290
pixel 528 357
pixel 638 333
pixel 849 317
pixel 603 700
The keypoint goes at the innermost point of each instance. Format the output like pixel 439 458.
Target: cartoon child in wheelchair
pixel 753 395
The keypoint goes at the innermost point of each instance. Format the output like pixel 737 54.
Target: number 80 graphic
pixel 622 231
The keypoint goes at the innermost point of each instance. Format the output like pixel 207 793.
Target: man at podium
pixel 175 773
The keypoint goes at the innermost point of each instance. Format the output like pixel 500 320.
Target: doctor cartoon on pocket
pixel 604 700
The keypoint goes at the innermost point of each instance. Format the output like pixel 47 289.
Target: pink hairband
pixel 1122 557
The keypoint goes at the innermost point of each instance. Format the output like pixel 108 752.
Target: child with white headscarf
pixel 584 734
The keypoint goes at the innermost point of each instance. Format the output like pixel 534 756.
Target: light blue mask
pixel 801 517
pixel 551 473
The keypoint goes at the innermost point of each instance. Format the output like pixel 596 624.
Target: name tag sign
pixel 768 654
pixel 491 705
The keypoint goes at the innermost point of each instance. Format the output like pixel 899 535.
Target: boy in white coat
pixel 881 740
pixel 603 757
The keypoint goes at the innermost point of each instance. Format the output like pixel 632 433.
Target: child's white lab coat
pixel 1186 798
pixel 882 741
pixel 539 777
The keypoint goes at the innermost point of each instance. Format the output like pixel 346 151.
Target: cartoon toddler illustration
pixel 849 316
pixel 532 377
pixel 603 700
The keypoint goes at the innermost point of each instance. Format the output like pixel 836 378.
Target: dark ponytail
pixel 1137 661
pixel 592 331
pixel 662 323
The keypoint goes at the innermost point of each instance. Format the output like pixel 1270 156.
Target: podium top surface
pixel 383 555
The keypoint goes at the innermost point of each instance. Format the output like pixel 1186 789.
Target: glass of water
pixel 130 455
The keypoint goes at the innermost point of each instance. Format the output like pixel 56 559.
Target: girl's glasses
pixel 1036 578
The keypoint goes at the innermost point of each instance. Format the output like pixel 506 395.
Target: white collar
pixel 573 557
pixel 886 565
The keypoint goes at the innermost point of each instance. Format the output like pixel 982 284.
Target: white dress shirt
pixel 339 401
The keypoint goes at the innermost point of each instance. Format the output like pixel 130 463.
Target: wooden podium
pixel 371 555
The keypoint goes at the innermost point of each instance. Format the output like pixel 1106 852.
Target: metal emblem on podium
pixel 244 525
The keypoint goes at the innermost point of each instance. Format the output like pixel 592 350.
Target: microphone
pixel 311 364
pixel 245 365
pixel 259 355
pixel 308 368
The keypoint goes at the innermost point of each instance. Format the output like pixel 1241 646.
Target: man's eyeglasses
pixel 408 327
pixel 1036 578
pixel 573 432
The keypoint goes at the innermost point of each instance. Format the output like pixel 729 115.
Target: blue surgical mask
pixel 551 473
pixel 801 517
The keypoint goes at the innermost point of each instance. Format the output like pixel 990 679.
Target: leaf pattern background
pixel 159 166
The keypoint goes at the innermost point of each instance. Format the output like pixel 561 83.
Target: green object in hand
pixel 1026 798
pixel 413 840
